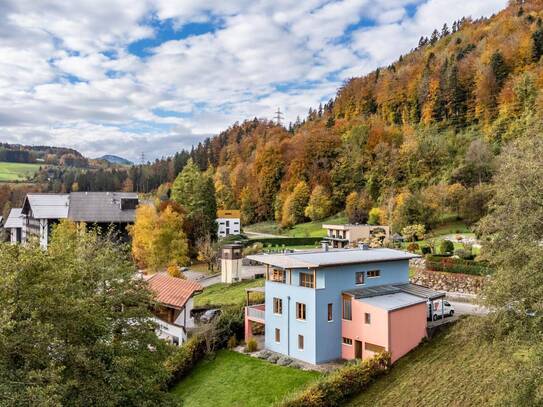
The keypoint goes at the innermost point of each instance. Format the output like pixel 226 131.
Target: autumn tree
pixel 358 206
pixel 269 167
pixel 158 239
pixel 295 204
pixel 207 252
pixel 320 205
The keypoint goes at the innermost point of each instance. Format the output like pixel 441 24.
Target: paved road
pixel 460 308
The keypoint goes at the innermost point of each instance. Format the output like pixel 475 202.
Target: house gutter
pixel 288 326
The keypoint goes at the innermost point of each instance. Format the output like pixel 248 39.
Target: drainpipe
pixel 288 325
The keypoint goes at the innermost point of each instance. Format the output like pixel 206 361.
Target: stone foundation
pixel 451 282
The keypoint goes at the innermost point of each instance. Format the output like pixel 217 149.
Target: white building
pixel 174 303
pixel 228 222
pixel 231 263
pixel 14 225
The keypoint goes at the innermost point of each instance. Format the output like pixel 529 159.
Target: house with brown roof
pixel 173 305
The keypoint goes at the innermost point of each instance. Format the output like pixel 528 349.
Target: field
pixel 233 379
pixel 10 172
pixel 226 294
pixel 309 229
pixel 453 369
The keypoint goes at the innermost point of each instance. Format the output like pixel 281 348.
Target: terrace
pixel 254 314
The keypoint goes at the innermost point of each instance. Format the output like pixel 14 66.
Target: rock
pixel 264 354
pixel 284 361
pixel 273 358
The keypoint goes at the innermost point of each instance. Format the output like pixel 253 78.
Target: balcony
pixel 256 312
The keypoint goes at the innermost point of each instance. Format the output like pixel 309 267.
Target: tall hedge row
pixel 453 265
pixel 334 389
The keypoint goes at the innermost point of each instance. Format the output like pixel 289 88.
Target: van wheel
pixel 451 313
pixel 435 317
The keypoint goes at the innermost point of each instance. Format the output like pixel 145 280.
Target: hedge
pixel 452 265
pixel 214 336
pixel 288 241
pixel 335 388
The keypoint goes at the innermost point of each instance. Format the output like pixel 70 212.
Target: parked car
pixel 209 315
pixel 435 312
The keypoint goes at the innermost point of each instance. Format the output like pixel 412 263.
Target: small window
pixel 347 314
pixel 300 311
pixel 359 277
pixel 330 314
pixel 277 306
pixel 307 280
pixel 347 341
pixel 374 273
pixel 367 318
pixel 277 335
pixel 300 342
pixel 278 276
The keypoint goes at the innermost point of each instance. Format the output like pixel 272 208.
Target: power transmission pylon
pixel 279 116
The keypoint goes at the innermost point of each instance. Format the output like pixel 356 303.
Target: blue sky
pixel 155 76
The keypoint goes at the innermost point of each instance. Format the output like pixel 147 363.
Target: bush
pixel 232 342
pixel 251 346
pixel 185 357
pixel 426 250
pixel 412 247
pixel 446 247
pixel 335 388
pixel 289 241
pixel 452 265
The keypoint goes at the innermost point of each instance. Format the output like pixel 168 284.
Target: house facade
pixel 173 305
pixel 40 212
pixel 340 236
pixel 311 312
pixel 228 222
pixel 14 226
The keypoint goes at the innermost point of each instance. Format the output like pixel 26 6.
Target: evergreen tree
pixel 537 44
pixel 499 68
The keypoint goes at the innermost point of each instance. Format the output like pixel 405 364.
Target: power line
pixel 278 116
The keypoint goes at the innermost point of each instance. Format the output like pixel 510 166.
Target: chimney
pixel 324 246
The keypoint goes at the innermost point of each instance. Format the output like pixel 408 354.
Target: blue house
pixel 304 296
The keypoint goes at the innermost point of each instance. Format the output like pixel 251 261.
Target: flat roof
pixel 346 226
pixel 391 302
pixel 385 289
pixel 331 257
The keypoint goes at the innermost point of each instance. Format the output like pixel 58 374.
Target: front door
pixel 358 349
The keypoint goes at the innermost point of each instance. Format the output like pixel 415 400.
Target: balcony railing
pixel 256 311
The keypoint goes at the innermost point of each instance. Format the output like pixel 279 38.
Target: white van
pixel 435 310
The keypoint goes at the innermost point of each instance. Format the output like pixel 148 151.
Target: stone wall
pixel 451 282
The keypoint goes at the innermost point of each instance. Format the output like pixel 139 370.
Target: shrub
pixel 426 250
pixel 413 232
pixel 452 265
pixel 185 358
pixel 335 388
pixel 289 241
pixel 412 247
pixel 446 247
pixel 251 346
pixel 256 248
pixel 232 342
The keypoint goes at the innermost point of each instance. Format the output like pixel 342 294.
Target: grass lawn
pixel 232 379
pixel 309 229
pixel 453 369
pixel 227 294
pixel 17 171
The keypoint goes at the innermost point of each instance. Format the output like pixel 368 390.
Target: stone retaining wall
pixel 451 282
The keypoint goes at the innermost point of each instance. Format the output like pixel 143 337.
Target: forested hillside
pixel 414 141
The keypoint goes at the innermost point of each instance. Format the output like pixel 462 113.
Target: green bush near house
pixel 452 265
pixel 334 389
pixel 233 379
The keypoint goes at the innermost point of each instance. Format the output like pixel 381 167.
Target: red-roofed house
pixel 174 302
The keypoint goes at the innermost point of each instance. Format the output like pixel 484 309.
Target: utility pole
pixel 142 158
pixel 279 116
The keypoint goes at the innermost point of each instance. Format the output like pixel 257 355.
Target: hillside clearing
pixel 233 379
pixel 453 369
pixel 17 171
pixel 308 229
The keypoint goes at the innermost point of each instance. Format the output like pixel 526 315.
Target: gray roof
pixel 332 257
pixel 47 206
pixel 95 207
pixel 100 207
pixel 387 289
pixel 391 302
pixel 14 219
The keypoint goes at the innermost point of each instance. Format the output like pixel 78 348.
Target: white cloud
pixel 67 77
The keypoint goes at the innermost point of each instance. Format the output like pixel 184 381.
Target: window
pixel 300 311
pixel 347 314
pixel 277 306
pixel 347 341
pixel 367 318
pixel 374 273
pixel 227 223
pixel 307 280
pixel 278 276
pixel 330 315
pixel 277 335
pixel 300 342
pixel 359 277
